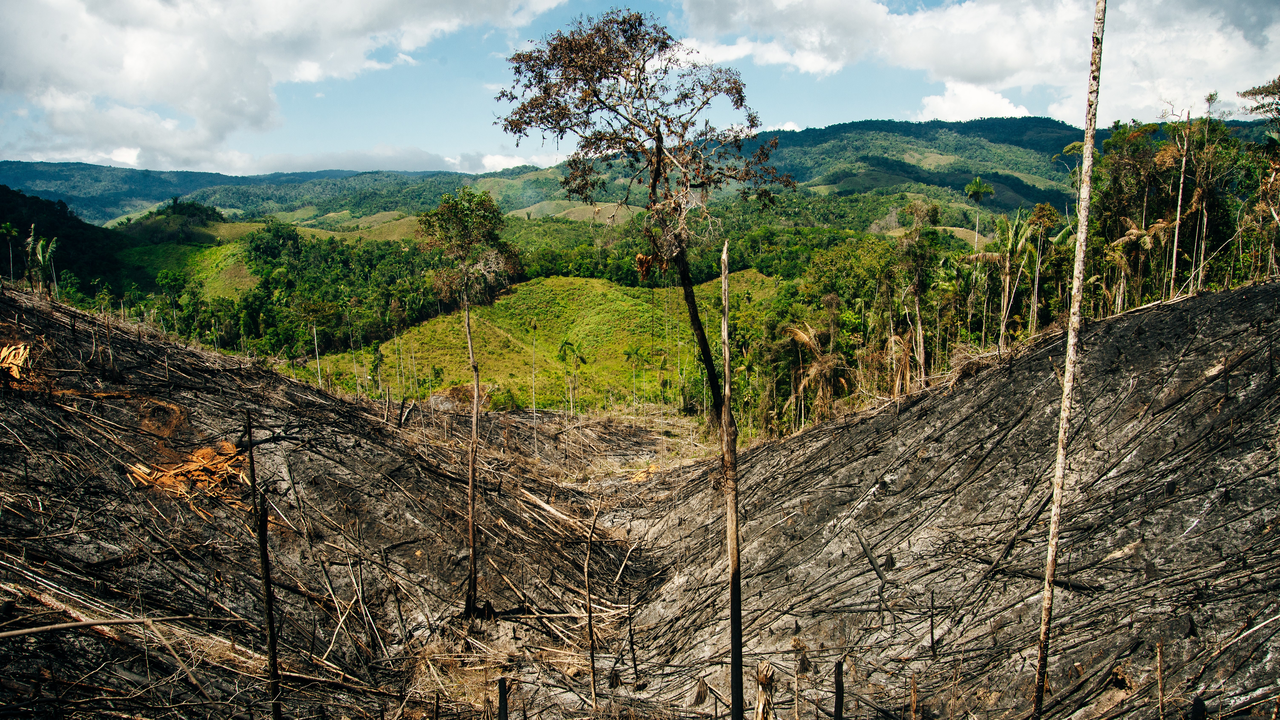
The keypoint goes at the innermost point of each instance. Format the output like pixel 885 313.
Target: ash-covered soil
pixel 124 496
pixel 123 478
pixel 1170 539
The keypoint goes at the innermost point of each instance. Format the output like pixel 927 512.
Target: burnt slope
pixel 1171 535
pixel 123 495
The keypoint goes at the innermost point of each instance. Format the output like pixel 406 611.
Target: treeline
pixel 329 295
pixel 1181 207
pixel 83 250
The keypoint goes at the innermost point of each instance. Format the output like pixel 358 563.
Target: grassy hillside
pixel 605 322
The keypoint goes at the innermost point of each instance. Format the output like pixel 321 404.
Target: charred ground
pixel 122 463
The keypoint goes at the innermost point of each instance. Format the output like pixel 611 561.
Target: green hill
pixel 1015 155
pixel 605 322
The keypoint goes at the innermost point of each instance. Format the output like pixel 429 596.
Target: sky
pixel 247 87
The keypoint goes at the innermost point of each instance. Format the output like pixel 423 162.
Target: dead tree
pixel 1069 369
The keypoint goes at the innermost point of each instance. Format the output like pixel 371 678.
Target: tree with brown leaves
pixel 632 95
pixel 466 227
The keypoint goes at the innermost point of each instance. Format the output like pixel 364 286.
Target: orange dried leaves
pixel 208 472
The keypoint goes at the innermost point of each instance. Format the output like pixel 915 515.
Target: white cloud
pixel 1154 50
pixel 126 155
pixel 788 125
pixel 770 53
pixel 493 163
pixel 816 36
pixel 382 157
pixel 962 101
pixel 176 78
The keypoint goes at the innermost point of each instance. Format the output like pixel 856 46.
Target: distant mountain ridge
pixel 99 193
pixel 1040 134
pixel 1016 154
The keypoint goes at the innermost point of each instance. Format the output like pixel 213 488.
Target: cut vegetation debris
pixel 904 542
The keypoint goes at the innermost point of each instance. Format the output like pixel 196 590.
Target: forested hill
pixel 1038 134
pixel 875 155
pixel 85 250
pixel 98 193
pixel 1019 156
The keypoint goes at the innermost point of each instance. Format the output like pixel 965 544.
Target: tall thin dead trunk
pixel 924 371
pixel 1177 221
pixel 1035 288
pixel 264 560
pixel 1069 369
pixel 315 339
pixel 533 385
pixel 1203 242
pixel 591 626
pixel 471 459
pixel 729 462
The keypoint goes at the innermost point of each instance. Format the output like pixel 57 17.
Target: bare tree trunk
pixel 533 386
pixel 471 459
pixel 316 340
pixel 1004 301
pixel 700 335
pixel 1035 290
pixel 729 462
pixel 1203 242
pixel 839 707
pixel 591 627
pixel 264 559
pixel 1177 222
pixel 1069 369
pixel 764 691
pixel 924 371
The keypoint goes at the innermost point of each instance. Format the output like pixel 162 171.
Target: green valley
pixel 865 282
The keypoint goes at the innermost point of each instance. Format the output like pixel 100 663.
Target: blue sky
pixel 253 86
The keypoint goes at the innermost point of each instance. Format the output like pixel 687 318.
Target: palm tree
pixel 40 261
pixel 1043 217
pixel 975 192
pixel 570 351
pixel 950 283
pixel 823 374
pixel 1013 244
pixel 1128 252
pixel 918 260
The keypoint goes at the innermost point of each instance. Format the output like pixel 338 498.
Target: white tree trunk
pixel 1069 369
